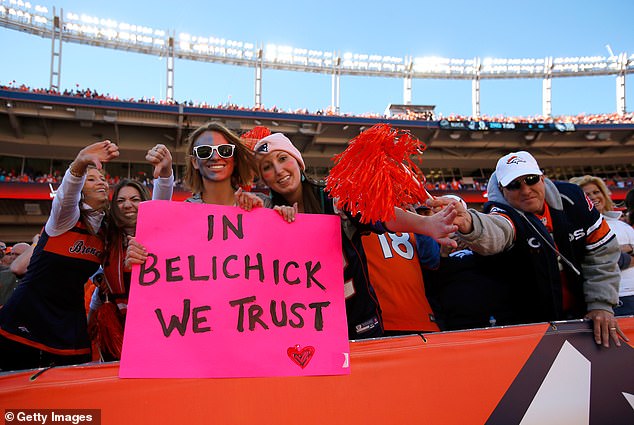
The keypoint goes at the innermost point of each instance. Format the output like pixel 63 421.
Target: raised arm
pixel 65 207
pixel 439 226
pixel 161 159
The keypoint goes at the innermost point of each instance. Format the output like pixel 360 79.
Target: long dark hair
pixel 312 195
pixel 116 222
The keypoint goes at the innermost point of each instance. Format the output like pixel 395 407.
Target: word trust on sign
pixel 230 293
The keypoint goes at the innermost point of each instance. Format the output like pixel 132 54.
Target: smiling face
pixel 282 173
pixel 216 168
pixel 127 203
pixel 527 198
pixel 593 192
pixel 95 189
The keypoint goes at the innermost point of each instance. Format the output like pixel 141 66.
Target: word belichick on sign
pixel 239 269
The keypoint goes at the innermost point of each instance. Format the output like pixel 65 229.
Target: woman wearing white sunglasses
pixel 218 165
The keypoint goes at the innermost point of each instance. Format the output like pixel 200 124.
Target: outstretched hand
pixel 161 158
pixel 247 200
pixel 463 217
pixel 441 226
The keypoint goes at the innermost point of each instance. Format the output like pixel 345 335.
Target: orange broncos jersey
pixel 396 277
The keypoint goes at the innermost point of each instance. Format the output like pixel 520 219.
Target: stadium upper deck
pixel 48 130
pixel 37 125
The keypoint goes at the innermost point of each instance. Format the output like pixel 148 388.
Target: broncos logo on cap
pixel 264 147
pixel 514 160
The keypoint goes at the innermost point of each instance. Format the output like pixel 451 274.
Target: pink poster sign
pixel 231 293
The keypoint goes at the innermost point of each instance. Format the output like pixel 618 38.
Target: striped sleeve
pixel 598 234
pixel 501 213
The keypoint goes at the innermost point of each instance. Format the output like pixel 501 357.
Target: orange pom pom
pixel 376 173
pixel 106 330
pixel 251 137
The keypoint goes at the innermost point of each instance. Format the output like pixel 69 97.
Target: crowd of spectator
pixel 449 184
pixel 604 118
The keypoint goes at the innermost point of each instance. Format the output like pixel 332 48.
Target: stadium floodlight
pixel 87 19
pixel 108 23
pixel 270 52
pixel 109 32
pixel 201 48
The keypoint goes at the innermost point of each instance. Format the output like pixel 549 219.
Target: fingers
pixel 606 327
pixel 135 253
pixel 247 201
pixel 437 204
pixel 97 153
pixel 448 243
pixel 288 213
pixel 161 158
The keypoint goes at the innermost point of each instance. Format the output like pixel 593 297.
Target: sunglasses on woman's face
pixel 206 151
pixel 528 180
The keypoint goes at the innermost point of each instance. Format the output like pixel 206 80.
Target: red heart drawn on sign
pixel 301 357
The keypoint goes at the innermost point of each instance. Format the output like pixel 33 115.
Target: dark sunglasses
pixel 528 180
pixel 206 151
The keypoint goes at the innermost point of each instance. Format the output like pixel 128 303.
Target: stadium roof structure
pixel 83 29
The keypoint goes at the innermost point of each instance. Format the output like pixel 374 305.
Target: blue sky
pixel 456 29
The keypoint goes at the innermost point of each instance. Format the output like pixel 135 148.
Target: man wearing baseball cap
pixel 556 253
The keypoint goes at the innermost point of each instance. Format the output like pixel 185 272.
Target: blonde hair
pixel 598 182
pixel 245 163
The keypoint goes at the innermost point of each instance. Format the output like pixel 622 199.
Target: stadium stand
pixel 41 131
